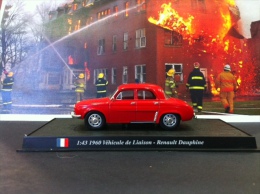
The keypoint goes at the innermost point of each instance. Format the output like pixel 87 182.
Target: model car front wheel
pixel 170 121
pixel 95 120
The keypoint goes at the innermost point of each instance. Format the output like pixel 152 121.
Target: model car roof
pixel 139 86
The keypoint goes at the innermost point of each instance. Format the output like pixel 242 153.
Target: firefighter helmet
pixel 10 74
pixel 81 75
pixel 171 72
pixel 101 75
pixel 227 67
pixel 196 65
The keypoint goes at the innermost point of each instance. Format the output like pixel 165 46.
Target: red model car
pixel 134 103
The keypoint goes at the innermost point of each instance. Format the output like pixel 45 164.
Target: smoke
pixel 30 5
pixel 249 12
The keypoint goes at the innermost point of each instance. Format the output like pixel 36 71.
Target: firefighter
pixel 7 92
pixel 196 85
pixel 227 84
pixel 80 87
pixel 170 85
pixel 101 85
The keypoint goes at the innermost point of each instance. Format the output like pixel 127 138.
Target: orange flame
pixel 170 19
pixel 208 35
pixel 214 90
pixel 239 80
pixel 226 43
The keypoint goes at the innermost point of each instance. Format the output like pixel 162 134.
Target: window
pixel 198 5
pixel 145 95
pixel 127 9
pixel 70 25
pixel 103 14
pixel 70 30
pixel 172 38
pixel 71 53
pixel 125 41
pixel 205 73
pixel 114 43
pixel 75 6
pixel 70 21
pixel 113 76
pixel 126 95
pixel 89 20
pixel 53 79
pixel 140 40
pixel 178 70
pixel 98 71
pixel 140 73
pixel 89 2
pixel 78 25
pixel 125 75
pixel 84 3
pixel 141 5
pixel 115 11
pixel 101 47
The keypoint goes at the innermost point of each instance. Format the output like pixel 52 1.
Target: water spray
pixel 58 54
pixel 74 33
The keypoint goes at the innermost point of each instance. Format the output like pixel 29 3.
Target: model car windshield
pixel 113 94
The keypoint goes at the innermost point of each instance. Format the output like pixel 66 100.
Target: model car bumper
pixel 75 116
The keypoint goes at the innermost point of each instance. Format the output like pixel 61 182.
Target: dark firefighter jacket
pixel 196 80
pixel 101 84
pixel 8 84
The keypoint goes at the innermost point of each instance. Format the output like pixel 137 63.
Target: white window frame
pixel 98 71
pixel 141 5
pixel 101 46
pixel 140 75
pixel 178 69
pixel 114 47
pixel 113 75
pixel 205 72
pixel 126 41
pixel 140 38
pixel 172 38
pixel 125 75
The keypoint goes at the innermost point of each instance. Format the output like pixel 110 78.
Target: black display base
pixel 197 134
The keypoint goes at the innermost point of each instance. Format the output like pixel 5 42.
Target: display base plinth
pixel 194 135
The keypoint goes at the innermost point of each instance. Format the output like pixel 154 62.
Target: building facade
pixel 116 38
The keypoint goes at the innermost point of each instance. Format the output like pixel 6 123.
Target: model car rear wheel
pixel 95 120
pixel 170 121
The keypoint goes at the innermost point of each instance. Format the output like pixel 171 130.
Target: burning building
pixel 143 39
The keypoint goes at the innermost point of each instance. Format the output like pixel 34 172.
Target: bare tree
pixel 22 35
pixel 14 38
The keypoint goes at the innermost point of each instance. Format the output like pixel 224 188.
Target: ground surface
pixel 124 172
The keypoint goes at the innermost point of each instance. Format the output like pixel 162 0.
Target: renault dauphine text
pixel 135 142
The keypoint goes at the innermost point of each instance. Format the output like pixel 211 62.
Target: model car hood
pixel 94 101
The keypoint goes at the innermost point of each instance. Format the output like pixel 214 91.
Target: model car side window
pixel 125 95
pixel 146 95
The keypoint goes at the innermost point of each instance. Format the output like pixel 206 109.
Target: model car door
pixel 123 107
pixel 147 106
